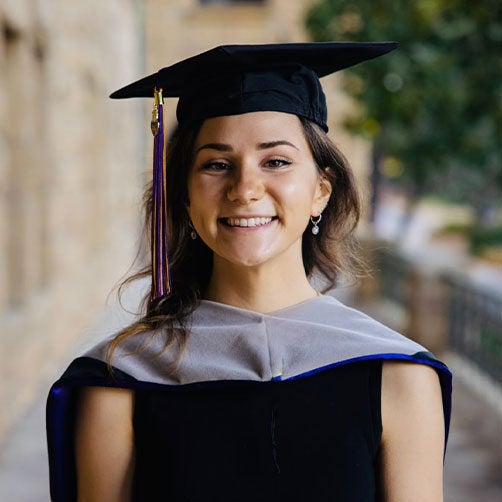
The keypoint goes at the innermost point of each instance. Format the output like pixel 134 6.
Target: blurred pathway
pixel 473 467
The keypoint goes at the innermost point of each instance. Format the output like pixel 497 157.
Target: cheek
pixel 203 196
pixel 299 193
pixel 193 198
pixel 196 192
pixel 200 188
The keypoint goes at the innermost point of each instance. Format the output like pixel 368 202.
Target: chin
pixel 245 260
pixel 248 262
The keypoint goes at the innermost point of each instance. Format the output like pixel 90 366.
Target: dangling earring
pixel 315 228
pixel 193 233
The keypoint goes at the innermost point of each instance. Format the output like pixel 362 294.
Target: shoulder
pixel 411 399
pixel 105 410
pixel 403 378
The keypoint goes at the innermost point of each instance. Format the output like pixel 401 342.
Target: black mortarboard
pixel 236 79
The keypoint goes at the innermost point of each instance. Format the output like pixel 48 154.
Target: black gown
pixel 252 424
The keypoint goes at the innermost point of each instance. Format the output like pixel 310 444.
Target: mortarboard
pixel 231 80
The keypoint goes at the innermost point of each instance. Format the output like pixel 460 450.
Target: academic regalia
pixel 263 407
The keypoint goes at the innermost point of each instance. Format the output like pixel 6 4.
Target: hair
pixel 332 252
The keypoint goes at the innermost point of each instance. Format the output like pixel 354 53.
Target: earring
pixel 315 228
pixel 193 233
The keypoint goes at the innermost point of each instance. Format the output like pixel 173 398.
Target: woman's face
pixel 253 187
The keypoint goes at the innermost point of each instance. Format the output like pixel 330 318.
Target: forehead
pixel 252 127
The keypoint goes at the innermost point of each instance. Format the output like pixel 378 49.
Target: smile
pixel 247 222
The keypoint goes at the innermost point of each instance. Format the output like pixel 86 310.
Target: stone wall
pixel 70 163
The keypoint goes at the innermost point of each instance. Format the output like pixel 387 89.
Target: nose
pixel 246 185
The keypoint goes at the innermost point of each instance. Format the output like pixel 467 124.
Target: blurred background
pixel 421 127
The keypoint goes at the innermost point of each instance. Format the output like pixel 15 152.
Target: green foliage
pixel 480 239
pixel 491 342
pixel 434 104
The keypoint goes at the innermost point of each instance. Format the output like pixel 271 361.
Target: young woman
pixel 241 381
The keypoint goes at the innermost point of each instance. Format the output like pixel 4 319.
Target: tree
pixel 434 106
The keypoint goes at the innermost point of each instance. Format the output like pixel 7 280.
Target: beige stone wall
pixel 70 163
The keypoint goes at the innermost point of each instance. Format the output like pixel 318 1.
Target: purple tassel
pixel 161 281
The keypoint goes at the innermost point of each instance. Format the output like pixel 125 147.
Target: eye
pixel 215 166
pixel 277 162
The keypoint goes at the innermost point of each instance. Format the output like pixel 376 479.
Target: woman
pixel 241 381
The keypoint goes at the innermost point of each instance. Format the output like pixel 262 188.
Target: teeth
pixel 248 222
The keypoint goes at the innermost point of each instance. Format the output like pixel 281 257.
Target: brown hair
pixel 331 252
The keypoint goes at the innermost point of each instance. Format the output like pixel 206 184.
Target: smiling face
pixel 253 187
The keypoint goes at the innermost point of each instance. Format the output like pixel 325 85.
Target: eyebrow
pixel 222 147
pixel 271 144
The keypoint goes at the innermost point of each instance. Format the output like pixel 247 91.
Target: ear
pixel 322 195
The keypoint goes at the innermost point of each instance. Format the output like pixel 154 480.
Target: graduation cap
pixel 231 80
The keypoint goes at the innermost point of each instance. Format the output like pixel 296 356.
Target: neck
pixel 264 288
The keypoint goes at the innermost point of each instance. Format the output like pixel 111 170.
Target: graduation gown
pixel 276 406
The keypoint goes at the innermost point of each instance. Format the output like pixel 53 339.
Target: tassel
pixel 161 281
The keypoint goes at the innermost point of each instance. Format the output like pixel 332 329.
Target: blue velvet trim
pixel 60 413
pixel 424 358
